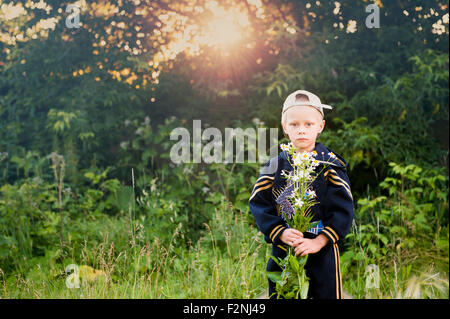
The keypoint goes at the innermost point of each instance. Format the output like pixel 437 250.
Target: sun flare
pixel 224 32
pixel 225 28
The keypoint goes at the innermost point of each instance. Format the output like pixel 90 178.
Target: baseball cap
pixel 304 98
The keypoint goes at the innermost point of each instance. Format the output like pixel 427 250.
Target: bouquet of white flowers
pixel 296 201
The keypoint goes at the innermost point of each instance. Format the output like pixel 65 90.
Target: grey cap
pixel 309 99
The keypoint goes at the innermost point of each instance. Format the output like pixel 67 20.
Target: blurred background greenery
pixel 86 115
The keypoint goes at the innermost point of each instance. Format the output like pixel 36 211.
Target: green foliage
pixel 410 221
pixel 415 209
pixel 127 209
pixel 224 263
pixel 292 282
pixel 356 142
pixel 282 80
pixel 28 222
pixel 31 162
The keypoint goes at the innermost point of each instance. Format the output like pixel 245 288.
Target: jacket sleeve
pixel 264 210
pixel 338 202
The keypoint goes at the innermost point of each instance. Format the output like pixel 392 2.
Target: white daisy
pixel 284 147
pixel 297 161
pixel 305 156
pixel 298 202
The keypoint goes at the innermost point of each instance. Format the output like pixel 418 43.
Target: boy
pixel 302 121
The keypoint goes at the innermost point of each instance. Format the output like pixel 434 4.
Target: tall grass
pixel 227 262
pixel 419 272
pixel 405 235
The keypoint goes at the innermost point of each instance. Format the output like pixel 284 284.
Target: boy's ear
pixel 322 126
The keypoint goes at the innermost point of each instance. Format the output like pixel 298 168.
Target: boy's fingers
pixel 298 241
pixel 297 232
pixel 289 239
pixel 300 251
pixel 292 241
pixel 292 235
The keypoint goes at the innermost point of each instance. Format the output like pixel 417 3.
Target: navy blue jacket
pixel 332 187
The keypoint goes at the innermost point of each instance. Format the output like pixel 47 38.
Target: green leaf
pixel 383 238
pixel 294 263
pixel 302 261
pixel 304 290
pixel 275 276
pixel 276 260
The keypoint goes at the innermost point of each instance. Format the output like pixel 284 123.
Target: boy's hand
pixel 305 246
pixel 290 236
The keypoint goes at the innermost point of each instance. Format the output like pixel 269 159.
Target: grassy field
pixel 227 262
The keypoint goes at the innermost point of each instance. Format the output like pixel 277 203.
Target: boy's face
pixel 302 124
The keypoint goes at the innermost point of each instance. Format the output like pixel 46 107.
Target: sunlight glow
pixel 223 33
pixel 226 28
